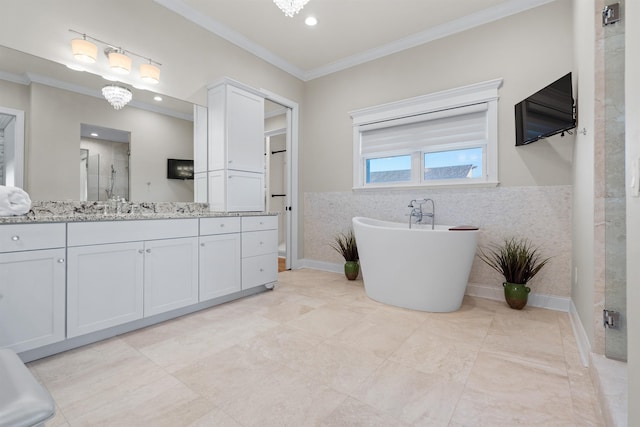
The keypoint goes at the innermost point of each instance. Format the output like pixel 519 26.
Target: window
pixel 447 138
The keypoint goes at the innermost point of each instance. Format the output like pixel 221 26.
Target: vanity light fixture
pixel 290 7
pixel 150 73
pixel 311 21
pixel 117 96
pixel 119 58
pixel 83 50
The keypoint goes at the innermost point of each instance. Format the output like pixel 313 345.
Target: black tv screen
pixel 547 112
pixel 179 169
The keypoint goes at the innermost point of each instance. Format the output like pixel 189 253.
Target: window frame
pixel 409 111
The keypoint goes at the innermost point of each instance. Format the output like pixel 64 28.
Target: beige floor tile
pixel 337 365
pixel 180 351
pixel 285 398
pixel 379 338
pixel 216 417
pixel 227 375
pixel 410 395
pixel 88 387
pixel 451 359
pixel 318 351
pixel 165 402
pixel 501 392
pixel 354 413
pixel 285 311
pixel 324 321
pixel 283 344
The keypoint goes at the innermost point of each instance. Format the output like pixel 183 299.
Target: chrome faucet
pixel 419 214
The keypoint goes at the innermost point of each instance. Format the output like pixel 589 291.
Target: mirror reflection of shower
pixel 104 163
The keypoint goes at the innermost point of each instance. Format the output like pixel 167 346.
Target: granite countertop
pixel 74 211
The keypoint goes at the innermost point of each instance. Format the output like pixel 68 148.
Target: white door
pixel 219 265
pixel 104 286
pixel 32 306
pixel 170 274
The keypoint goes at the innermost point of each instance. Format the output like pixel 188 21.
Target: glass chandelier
pixel 290 7
pixel 117 96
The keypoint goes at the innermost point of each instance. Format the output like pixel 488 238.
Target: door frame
pixel 291 181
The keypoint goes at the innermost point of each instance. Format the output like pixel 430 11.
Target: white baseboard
pixel 320 265
pixel 582 340
pixel 474 289
pixel 550 302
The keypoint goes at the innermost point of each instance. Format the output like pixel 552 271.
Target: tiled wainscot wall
pixel 541 214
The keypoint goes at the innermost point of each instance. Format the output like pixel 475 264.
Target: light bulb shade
pixel 83 50
pixel 117 96
pixel 150 73
pixel 119 62
pixel 290 7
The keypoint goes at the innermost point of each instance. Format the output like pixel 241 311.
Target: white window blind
pixel 466 124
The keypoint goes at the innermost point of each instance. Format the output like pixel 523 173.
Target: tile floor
pixel 317 352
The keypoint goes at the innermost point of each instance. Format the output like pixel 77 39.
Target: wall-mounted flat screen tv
pixel 547 112
pixel 179 169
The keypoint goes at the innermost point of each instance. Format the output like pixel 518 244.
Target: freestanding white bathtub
pixel 417 268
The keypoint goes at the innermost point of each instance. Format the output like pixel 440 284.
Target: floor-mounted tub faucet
pixel 419 214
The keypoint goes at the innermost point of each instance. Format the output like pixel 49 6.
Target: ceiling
pixel 349 32
pixel 179 32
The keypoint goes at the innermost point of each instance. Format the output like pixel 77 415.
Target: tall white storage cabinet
pixel 32 285
pixel 235 149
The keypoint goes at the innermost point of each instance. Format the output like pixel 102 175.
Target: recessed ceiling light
pixel 94 134
pixel 311 21
pixel 157 98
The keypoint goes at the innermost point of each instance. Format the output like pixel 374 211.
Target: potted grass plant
pixel 518 260
pixel 345 245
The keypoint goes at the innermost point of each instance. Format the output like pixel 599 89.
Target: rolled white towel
pixel 13 201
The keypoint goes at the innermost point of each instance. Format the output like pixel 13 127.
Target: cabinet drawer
pixel 259 243
pixel 256 223
pixel 27 237
pixel 222 225
pixel 259 270
pixel 96 233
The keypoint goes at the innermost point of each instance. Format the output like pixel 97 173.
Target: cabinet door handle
pixel 60 260
pixel 261 270
pixel 148 251
pixel 202 244
pixel 140 251
pixel 221 225
pixel 15 238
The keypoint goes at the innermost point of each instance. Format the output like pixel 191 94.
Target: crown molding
pixel 482 17
pixel 221 30
pixel 438 32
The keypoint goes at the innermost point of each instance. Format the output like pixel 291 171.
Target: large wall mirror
pixel 57 104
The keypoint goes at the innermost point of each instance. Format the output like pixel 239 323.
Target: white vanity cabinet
pixel 32 285
pixel 104 286
pixel 259 250
pixel 219 257
pixel 120 271
pixel 235 149
pixel 170 274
